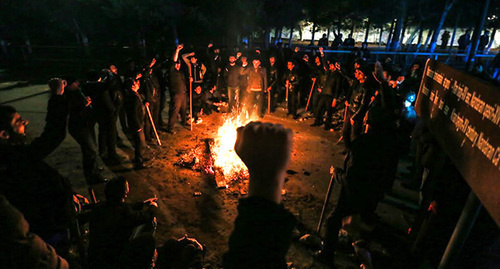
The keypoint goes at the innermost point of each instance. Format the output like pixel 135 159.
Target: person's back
pixel 112 224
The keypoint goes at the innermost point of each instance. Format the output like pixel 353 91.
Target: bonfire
pixel 224 157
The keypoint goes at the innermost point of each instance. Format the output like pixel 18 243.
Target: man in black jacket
pixel 292 82
pixel 368 173
pixel 30 184
pixel 134 103
pixel 329 90
pixel 257 84
pixel 263 229
pixel 359 101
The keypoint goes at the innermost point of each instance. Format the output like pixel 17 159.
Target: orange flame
pixel 223 152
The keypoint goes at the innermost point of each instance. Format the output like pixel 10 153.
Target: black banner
pixel 463 113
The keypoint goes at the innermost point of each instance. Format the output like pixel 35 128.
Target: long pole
pixel 310 93
pixel 461 232
pixel 191 103
pixel 153 125
pixel 269 102
pixel 327 198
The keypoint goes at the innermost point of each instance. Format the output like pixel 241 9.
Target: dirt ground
pixel 209 217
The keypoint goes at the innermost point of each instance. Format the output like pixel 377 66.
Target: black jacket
pixel 232 75
pixel 30 184
pixel 261 236
pixel 293 79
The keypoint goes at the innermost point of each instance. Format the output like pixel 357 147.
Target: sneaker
pixel 198 121
pixel 326 259
pixel 140 166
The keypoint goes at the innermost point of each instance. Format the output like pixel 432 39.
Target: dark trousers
pixel 122 114
pixel 255 100
pixel 177 105
pixel 84 134
pixel 136 128
pixel 139 143
pixel 233 96
pixel 324 104
pixel 293 102
pixel 107 133
pixel 163 102
pixel 350 198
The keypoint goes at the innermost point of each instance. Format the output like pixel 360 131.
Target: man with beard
pixel 29 183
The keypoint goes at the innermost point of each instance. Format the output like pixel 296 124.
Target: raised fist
pixel 265 149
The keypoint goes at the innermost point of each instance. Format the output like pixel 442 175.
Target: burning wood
pixel 217 157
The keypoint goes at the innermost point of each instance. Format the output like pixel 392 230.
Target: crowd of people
pixel 374 99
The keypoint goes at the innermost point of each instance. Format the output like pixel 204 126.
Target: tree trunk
pixel 267 36
pixel 367 32
pixel 339 21
pixel 491 40
pixel 420 35
pixel 428 38
pixel 396 35
pixel 313 33
pixel 277 38
pixel 390 35
pixel 409 41
pixel 403 32
pixel 328 33
pixel 290 37
pixel 454 31
pixel 447 8
pixel 380 36
pixel 476 35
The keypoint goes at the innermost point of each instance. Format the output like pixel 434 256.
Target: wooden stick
pixel 269 102
pixel 191 103
pixel 310 94
pixel 153 125
pixel 327 198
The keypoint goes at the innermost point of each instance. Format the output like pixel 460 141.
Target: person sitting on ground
pixel 20 248
pixel 263 229
pixel 114 222
pixel 27 181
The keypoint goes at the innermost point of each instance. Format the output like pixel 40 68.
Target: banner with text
pixel 463 113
